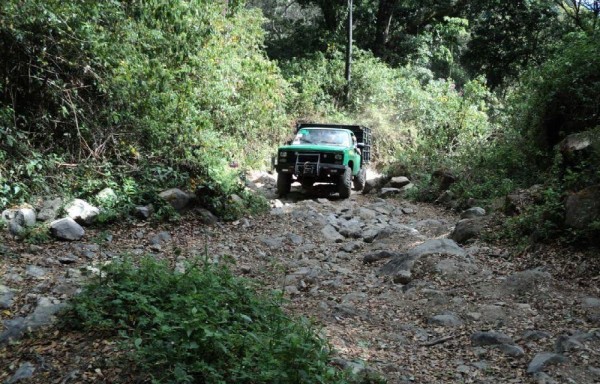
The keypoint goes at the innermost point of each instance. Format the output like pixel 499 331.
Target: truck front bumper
pixel 312 169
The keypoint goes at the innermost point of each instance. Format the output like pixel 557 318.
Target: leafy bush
pixel 117 86
pixel 202 326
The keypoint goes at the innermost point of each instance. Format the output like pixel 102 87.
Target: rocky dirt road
pixel 392 293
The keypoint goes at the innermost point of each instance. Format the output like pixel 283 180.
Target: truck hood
pixel 312 147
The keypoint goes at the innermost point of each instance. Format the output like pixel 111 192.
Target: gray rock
pixel 89 251
pixel 533 335
pixel 44 313
pixel 295 239
pixel 400 262
pixel 49 209
pixel 369 235
pixel 388 192
pixel 374 184
pixel 206 217
pixel 481 365
pixel 402 277
pixel 490 338
pixel 543 378
pixel 351 230
pixel 178 199
pixel 144 212
pixel 379 255
pixel 591 302
pixel 35 271
pixel 330 234
pixel 447 320
pixel 566 343
pixel 451 267
pixel 472 213
pixel 25 217
pixel 431 226
pixel 399 182
pixel 9 214
pixel 25 371
pixel 351 247
pixel 272 242
pixel 366 213
pixel 441 246
pixel 525 281
pixel 543 360
pixel 583 208
pixel 107 195
pixel 6 297
pixel 15 229
pixel 511 350
pixel 66 229
pixel 68 259
pixel 160 238
pixel 14 329
pixel 492 313
pixel 81 211
pixel 467 229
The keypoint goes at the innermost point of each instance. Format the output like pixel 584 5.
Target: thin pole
pixel 349 52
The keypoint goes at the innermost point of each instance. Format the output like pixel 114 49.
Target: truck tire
pixel 284 183
pixel 360 179
pixel 345 183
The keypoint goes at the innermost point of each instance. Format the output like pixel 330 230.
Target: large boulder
pixel 400 266
pixel 24 217
pixel 579 147
pixel 375 184
pixel 468 229
pixel 583 208
pixel 399 181
pixel 81 211
pixel 178 199
pixel 472 213
pixel 49 209
pixel 66 229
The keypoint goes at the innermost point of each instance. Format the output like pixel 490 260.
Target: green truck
pixel 325 153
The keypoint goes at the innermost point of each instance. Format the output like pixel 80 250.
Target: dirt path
pixel 470 314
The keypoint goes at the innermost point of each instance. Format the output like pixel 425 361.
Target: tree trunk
pixel 382 26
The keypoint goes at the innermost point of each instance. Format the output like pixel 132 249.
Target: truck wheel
pixel 284 183
pixel 360 179
pixel 345 183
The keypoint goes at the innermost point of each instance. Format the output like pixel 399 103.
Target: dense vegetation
pixel 152 94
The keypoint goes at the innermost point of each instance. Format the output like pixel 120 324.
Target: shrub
pixel 202 326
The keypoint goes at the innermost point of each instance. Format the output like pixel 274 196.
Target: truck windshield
pixel 322 136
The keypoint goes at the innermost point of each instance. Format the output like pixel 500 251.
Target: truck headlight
pixel 339 157
pixel 282 154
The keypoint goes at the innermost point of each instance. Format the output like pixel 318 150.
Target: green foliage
pixel 540 221
pixel 38 234
pixel 119 86
pixel 203 325
pixel 561 96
